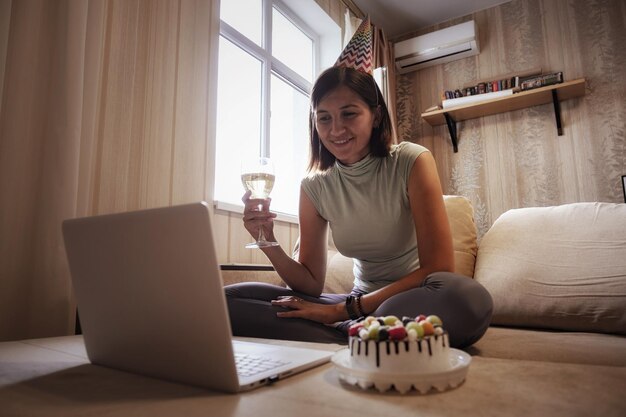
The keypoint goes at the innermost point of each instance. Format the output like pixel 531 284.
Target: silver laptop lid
pixel 150 294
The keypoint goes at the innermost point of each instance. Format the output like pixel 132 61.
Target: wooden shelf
pixel 543 95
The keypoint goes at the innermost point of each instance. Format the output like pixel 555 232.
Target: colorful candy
pixel 435 320
pixel 390 320
pixel 354 329
pixel 397 333
pixel 428 327
pixel 392 328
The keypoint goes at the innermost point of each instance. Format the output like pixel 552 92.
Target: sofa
pixel 557 276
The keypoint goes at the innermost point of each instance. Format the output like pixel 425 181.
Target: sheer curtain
pixel 106 106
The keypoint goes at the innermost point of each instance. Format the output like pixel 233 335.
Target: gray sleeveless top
pixel 367 207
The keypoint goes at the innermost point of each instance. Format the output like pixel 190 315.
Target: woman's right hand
pixel 256 214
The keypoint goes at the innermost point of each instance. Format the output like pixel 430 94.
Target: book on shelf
pixel 489 85
pixel 541 80
pixel 512 83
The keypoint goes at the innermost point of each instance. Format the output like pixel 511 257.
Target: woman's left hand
pixel 322 313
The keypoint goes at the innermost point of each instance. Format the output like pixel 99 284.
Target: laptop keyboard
pixel 250 365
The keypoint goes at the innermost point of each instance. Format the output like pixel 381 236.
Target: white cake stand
pixel 403 382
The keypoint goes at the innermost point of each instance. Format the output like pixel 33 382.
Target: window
pixel 270 52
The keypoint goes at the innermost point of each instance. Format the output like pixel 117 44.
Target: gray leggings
pixel 462 303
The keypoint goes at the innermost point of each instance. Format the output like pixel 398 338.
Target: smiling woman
pixel 375 197
pixel 344 123
pixel 346 117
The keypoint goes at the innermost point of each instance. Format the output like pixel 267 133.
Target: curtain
pixel 106 106
pixel 384 58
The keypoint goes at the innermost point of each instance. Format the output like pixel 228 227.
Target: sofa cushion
pixel 551 346
pixel 560 267
pixel 463 228
pixel 339 276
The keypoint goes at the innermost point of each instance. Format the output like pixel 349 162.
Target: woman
pixel 385 207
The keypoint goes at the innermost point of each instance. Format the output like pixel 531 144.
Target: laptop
pixel 151 301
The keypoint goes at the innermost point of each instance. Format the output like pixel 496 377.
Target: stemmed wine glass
pixel 257 176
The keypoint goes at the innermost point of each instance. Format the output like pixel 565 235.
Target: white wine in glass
pixel 257 176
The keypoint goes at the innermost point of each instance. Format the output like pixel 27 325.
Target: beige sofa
pixel 557 276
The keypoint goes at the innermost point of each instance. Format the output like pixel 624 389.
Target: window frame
pixel 271 66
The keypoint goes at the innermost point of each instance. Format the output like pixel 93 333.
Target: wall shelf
pixel 543 95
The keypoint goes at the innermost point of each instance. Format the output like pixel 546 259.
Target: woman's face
pixel 344 124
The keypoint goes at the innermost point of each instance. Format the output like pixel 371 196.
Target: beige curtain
pixel 384 58
pixel 107 106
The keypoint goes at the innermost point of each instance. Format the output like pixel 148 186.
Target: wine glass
pixel 257 176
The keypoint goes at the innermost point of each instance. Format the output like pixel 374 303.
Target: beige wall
pixel 516 159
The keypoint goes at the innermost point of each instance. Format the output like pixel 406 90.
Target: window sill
pixel 236 208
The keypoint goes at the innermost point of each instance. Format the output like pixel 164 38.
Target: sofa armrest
pixel 338 274
pixel 236 273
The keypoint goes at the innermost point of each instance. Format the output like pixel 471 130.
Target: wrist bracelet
pixel 350 308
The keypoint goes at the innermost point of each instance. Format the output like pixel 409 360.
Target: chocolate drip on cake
pixel 397 344
pixel 430 349
pixel 388 347
pixel 378 353
pixel 419 346
pixel 406 345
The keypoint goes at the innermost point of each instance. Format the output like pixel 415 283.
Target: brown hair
pixel 320 159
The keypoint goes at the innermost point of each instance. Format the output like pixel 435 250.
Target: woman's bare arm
pixel 307 273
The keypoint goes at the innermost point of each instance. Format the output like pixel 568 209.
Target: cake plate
pixel 403 382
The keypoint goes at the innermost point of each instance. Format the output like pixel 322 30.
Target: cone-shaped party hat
pixel 358 53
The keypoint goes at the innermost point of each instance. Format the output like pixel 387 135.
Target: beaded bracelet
pixel 350 307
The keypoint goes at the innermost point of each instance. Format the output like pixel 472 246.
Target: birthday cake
pixel 390 345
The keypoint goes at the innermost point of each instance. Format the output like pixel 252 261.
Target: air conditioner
pixel 445 45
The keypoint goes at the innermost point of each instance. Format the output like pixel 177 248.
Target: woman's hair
pixel 320 159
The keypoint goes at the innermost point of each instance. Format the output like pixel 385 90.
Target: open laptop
pixel 151 301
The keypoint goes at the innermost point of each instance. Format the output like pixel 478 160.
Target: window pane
pixel 238 127
pixel 291 46
pixel 289 143
pixel 245 16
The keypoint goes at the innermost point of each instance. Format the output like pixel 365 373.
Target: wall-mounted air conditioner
pixel 445 45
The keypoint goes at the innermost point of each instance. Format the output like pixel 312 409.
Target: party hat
pixel 358 53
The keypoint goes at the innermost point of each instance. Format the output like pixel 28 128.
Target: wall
pixel 516 159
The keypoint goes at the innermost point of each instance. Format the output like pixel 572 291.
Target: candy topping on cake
pixel 392 328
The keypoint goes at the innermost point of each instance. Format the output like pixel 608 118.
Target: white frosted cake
pixel 411 345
